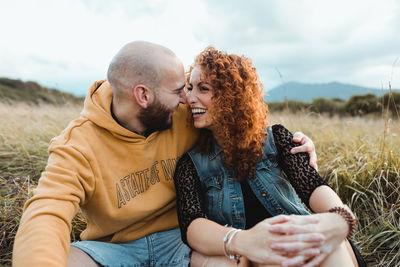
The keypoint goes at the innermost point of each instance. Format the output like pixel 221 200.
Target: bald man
pixel 115 163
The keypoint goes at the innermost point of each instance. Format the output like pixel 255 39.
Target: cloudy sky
pixel 68 44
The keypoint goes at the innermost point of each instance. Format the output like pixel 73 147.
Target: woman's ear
pixel 143 95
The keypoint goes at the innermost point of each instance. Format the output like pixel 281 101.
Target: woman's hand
pixel 331 225
pixel 255 243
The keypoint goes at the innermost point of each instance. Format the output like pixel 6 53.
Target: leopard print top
pixel 301 175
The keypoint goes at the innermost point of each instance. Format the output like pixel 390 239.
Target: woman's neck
pixel 219 138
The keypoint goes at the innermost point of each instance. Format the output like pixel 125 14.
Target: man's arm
pixel 43 237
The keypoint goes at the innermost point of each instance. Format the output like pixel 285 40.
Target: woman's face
pixel 199 99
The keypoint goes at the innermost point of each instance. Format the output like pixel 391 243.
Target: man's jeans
pixel 158 249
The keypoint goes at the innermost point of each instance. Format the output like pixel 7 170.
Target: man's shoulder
pixel 79 131
pixel 182 112
pixel 181 117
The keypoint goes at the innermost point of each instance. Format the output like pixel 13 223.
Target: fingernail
pixel 321 237
pixel 273 246
pixel 273 228
pixel 292 151
pixel 315 252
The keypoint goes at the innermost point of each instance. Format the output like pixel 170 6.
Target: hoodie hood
pixel 97 109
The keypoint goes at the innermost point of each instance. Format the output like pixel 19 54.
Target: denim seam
pixel 150 247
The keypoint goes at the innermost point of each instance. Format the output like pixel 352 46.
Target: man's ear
pixel 143 95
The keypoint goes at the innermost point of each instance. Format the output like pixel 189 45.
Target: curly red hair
pixel 239 112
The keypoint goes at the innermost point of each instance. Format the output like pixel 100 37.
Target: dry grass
pixel 359 156
pixel 24 137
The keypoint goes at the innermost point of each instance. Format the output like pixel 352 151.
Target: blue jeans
pixel 158 249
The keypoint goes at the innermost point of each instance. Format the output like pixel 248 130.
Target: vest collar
pixel 215 150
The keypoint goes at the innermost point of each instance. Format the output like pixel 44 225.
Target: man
pixel 115 162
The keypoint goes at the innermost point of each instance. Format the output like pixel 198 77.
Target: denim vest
pixel 223 199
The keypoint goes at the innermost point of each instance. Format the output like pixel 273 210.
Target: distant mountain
pixel 307 92
pixel 31 92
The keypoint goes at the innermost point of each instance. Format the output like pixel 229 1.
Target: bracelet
pixel 234 256
pixel 224 239
pixel 226 242
pixel 348 216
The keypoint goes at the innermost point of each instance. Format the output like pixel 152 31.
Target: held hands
pixel 297 228
pixel 256 244
pixel 307 145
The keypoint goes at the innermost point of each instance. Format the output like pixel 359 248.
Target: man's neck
pixel 129 123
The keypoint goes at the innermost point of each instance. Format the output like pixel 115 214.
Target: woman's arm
pixel 206 236
pixel 188 195
pixel 300 174
pixel 306 145
pixel 309 185
pixel 324 198
pixel 314 192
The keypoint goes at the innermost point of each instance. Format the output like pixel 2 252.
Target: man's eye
pixel 189 88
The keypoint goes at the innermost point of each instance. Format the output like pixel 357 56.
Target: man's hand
pixel 307 145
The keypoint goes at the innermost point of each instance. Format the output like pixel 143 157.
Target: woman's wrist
pixel 338 223
pixel 235 246
pixel 347 215
pixel 227 241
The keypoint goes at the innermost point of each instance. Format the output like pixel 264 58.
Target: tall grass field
pixel 359 157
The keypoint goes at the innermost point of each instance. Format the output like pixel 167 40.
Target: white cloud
pixel 69 43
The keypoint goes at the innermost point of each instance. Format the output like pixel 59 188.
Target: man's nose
pixel 182 97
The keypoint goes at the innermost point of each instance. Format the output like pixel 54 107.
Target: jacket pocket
pixel 213 196
pixel 289 196
pixel 280 189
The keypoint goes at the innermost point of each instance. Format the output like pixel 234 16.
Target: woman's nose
pixel 191 97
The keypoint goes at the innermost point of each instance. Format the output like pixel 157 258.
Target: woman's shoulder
pixel 282 136
pixel 279 131
pixel 184 167
pixel 184 159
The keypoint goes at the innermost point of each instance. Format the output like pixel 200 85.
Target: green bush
pixel 391 102
pixel 292 105
pixel 363 104
pixel 33 93
pixel 329 106
pixel 358 105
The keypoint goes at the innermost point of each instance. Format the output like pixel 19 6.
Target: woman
pixel 233 178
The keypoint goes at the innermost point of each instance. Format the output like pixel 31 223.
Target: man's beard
pixel 156 117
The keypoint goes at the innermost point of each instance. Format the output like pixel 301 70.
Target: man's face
pixel 158 115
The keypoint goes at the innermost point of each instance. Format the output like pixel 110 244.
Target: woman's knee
pixel 342 256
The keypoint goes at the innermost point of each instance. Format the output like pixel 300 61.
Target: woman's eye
pixel 203 88
pixel 189 88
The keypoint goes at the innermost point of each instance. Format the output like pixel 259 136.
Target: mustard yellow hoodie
pixel 122 181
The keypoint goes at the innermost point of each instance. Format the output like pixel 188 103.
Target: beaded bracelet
pixel 348 216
